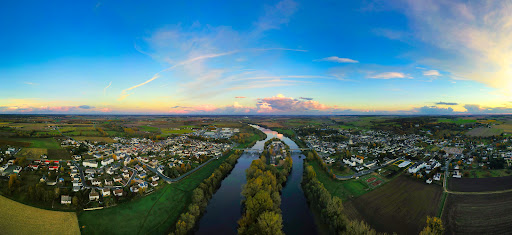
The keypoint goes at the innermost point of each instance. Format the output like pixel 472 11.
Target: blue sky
pixel 256 57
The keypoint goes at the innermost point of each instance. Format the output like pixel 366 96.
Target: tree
pixel 74 200
pixel 270 223
pixel 434 226
pixel 181 228
pixel 56 192
pixel 355 227
pixel 259 203
pixel 12 181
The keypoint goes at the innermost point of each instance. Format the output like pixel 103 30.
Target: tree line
pixel 202 194
pixel 262 212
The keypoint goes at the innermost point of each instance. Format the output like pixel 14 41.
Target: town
pixel 105 171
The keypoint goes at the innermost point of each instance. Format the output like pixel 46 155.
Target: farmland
pixel 484 132
pixel 95 138
pixel 46 143
pixel 480 184
pixel 401 206
pixel 489 173
pixel 35 220
pixel 458 121
pixel 153 214
pixel 169 131
pixel 478 214
pixel 33 152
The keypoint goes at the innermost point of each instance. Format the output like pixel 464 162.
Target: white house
pixel 96 182
pixel 357 159
pixel 118 192
pixel 105 192
pixel 90 164
pixel 416 167
pixel 107 161
pixel 65 200
pixel 437 176
pixel 93 195
pixel 348 162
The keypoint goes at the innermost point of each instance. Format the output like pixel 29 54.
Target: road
pixel 84 181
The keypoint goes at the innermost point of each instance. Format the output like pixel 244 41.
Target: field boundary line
pixel 479 193
pixel 150 209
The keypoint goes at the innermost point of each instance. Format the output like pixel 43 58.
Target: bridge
pixel 257 151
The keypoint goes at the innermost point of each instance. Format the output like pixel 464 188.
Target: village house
pixel 105 192
pixel 416 167
pixel 93 195
pixel 96 182
pixel 90 163
pixel 65 200
pixel 118 192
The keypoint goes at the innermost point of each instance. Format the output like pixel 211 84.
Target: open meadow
pixel 478 214
pixel 484 132
pixel 348 189
pixel 17 218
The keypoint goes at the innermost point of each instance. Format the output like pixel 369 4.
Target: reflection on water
pixel 224 209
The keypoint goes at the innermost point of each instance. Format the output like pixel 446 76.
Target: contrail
pixel 105 89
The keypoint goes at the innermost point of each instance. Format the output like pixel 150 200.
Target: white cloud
pixel 468 39
pixel 389 75
pixel 275 16
pixel 431 73
pixel 338 60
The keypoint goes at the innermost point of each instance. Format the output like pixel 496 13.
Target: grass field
pixel 484 132
pixel 489 173
pixel 17 218
pixel 152 214
pixel 95 138
pixel 401 206
pixel 346 189
pixel 32 152
pixel 506 127
pixel 13 142
pixel 170 131
pixel 478 214
pixel 344 172
pixel 457 121
pixel 149 128
pixel 46 143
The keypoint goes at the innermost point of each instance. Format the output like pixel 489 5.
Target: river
pixel 225 209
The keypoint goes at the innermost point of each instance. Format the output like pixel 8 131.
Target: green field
pixel 489 173
pixel 344 189
pixel 458 121
pixel 346 171
pixel 152 214
pixel 17 218
pixel 46 143
pixel 149 128
pixel 484 132
pixel 167 132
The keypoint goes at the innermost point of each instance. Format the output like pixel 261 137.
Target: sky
pixel 285 57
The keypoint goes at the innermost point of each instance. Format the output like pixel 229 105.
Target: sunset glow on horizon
pixel 256 57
